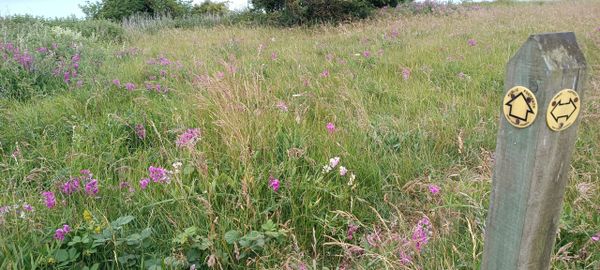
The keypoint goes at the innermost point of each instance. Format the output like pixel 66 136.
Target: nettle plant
pixel 93 240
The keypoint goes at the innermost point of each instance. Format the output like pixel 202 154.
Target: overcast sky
pixel 64 8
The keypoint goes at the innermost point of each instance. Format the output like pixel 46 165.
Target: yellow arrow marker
pixel 520 107
pixel 563 110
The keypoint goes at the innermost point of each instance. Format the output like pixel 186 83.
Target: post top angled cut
pixel 558 51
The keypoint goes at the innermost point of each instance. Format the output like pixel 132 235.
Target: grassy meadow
pixel 366 145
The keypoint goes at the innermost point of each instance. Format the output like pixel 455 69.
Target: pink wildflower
pixel 334 161
pixel 405 73
pixel 329 57
pixel 27 207
pixel 351 230
pixel 116 82
pixel 405 258
pixel 596 237
pixel 282 106
pixel 434 189
pixel 140 131
pixel 343 170
pixel 472 42
pixel 129 86
pixel 274 183
pixel 60 233
pixel 325 73
pixel 144 183
pixel 421 232
pixel 366 54
pixel 220 75
pixel 189 138
pixel 70 186
pixel 158 174
pixel 49 199
pixel 91 188
pixel 330 128
pixel 274 56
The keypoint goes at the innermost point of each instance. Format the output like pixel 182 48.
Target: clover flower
pixel 330 127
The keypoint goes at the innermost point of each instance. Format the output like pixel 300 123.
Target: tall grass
pixel 414 106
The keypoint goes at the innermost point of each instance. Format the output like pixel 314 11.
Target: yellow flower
pixel 98 229
pixel 87 216
pixel 51 261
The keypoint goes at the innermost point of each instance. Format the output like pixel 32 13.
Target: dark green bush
pixel 298 12
pixel 116 10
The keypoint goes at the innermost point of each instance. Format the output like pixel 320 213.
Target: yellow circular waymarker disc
pixel 563 110
pixel 520 107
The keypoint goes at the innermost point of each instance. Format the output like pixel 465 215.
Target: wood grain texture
pixel 532 164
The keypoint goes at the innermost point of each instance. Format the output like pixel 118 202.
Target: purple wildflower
pixel 42 50
pixel 116 82
pixel 282 106
pixel 144 183
pixel 343 170
pixel 274 183
pixel 158 174
pixel 140 131
pixel 434 189
pixel 351 230
pixel 596 237
pixel 366 54
pixel 60 233
pixel 129 86
pixel 189 138
pixel 27 207
pixel 274 56
pixel 70 186
pixel 421 233
pixel 49 199
pixel 91 188
pixel 472 42
pixel 325 73
pixel 405 73
pixel 330 128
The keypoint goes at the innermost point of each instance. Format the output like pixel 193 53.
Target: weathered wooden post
pixel 537 134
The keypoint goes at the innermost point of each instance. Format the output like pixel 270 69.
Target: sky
pixel 65 8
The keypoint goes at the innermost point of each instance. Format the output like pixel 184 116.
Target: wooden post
pixel 533 160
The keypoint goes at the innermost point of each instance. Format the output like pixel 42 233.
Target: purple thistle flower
pixel 189 138
pixel 274 183
pixel 116 82
pixel 158 174
pixel 472 42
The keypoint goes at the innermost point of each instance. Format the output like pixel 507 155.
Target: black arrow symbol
pixel 563 110
pixel 519 101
